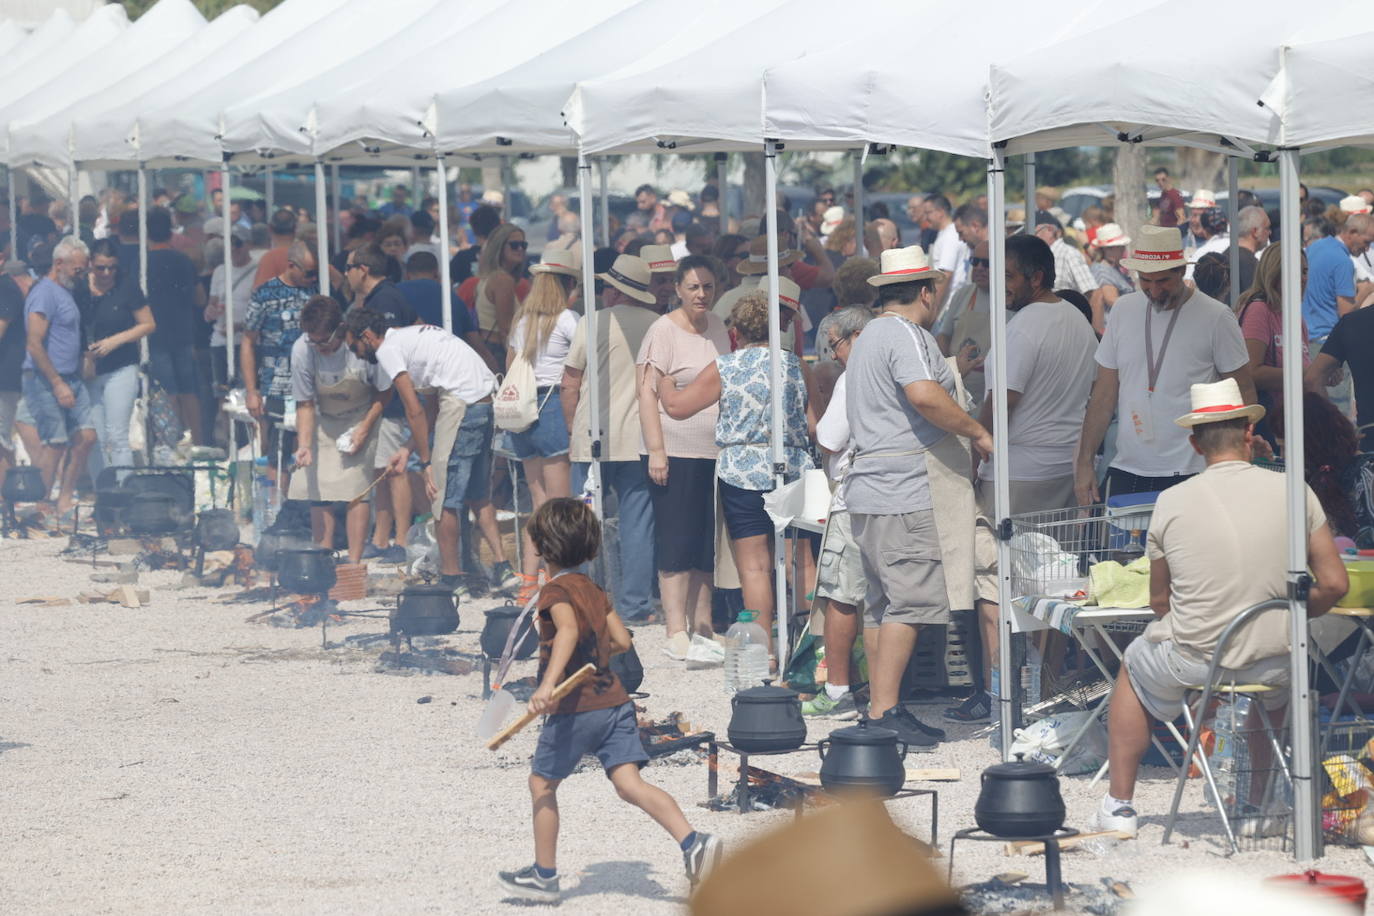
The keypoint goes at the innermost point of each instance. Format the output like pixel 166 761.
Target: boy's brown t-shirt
pixel 602 690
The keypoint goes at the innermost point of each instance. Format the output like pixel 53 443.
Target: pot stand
pixel 1053 878
pixel 742 791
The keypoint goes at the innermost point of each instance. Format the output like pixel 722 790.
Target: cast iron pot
pixel 425 610
pixel 110 504
pixel 306 570
pixel 497 628
pixel 627 666
pixel 215 529
pixel 24 484
pixel 272 543
pixel 1019 799
pixel 766 718
pixel 151 513
pixel 863 758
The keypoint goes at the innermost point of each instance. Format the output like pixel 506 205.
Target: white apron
pixel 446 423
pixel 334 476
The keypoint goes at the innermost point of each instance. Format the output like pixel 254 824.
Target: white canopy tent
pixel 25 84
pixel 11 36
pixel 1322 92
pixel 43 42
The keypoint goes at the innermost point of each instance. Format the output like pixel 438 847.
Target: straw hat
pixel 758 257
pixel 493 197
pixel 1110 235
pixel 1202 200
pixel 902 265
pixel 789 293
pixel 831 220
pixel 1354 204
pixel 630 275
pixel 1159 248
pixel 680 198
pixel 558 261
pixel 1217 401
pixel 659 258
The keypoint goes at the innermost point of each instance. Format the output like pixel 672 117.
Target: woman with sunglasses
pixel 500 264
pixel 115 318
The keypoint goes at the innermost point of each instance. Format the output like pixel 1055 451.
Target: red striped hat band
pixel 1159 255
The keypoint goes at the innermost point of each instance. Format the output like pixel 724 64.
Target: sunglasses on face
pixel 979 262
pixel 517 246
pixel 327 341
pixel 104 268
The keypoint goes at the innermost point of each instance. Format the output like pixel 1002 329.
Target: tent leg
pixel 859 200
pixel 143 284
pixel 322 227
pixel 229 350
pixel 1232 210
pixel 1031 208
pixel 336 188
pixel 14 215
pixel 603 174
pixel 271 191
pixel 441 173
pixel 584 191
pixel 1006 698
pixel 722 184
pixel 770 190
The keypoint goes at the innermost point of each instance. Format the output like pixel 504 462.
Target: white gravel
pixel 176 757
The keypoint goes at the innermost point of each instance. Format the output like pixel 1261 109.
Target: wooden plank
pixel 1033 848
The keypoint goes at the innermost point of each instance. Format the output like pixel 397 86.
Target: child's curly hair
pixel 565 532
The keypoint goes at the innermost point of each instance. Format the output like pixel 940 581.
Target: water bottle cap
pixel 747 616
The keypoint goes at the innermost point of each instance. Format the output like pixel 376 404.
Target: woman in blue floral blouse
pixel 738 381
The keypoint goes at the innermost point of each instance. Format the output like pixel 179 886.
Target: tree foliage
pixel 208 8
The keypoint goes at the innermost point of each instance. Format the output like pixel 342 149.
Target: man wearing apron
pixel 425 358
pixel 338 402
pixel 908 490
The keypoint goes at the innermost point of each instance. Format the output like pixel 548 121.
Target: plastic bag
pixel 422 550
pixel 138 429
pixel 1044 742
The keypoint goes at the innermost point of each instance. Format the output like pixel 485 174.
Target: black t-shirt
pixel 1247 262
pixel 1352 342
pixel 461 265
pixel 172 284
pixel 128 258
pixel 12 344
pixel 391 302
pixel 113 313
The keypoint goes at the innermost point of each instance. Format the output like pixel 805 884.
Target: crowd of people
pixel 884 376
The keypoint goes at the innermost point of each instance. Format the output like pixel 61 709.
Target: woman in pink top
pixel 680 455
pixel 1261 323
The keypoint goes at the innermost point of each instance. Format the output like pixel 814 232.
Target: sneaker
pixel 393 554
pixel 912 737
pixel 678 646
pixel 457 584
pixel 822 705
pixel 937 733
pixel 526 884
pixel 503 577
pixel 477 586
pixel 703 855
pixel 1123 819
pixel 372 551
pixel 703 652
pixel 976 708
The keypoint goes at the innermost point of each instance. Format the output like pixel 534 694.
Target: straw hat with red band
pixel 630 275
pixel 903 265
pixel 1354 204
pixel 758 257
pixel 831 220
pixel 1109 235
pixel 659 258
pixel 1217 401
pixel 789 293
pixel 1159 248
pixel 1202 199
pixel 559 261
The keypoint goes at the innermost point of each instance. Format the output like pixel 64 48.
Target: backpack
pixel 516 407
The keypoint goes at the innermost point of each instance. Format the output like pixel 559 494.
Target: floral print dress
pixel 743 425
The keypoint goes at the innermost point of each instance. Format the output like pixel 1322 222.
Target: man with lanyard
pixel 1160 342
pixel 338 402
pixel 908 491
pixel 419 358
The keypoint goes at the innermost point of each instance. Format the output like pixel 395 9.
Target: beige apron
pixel 334 476
pixel 446 423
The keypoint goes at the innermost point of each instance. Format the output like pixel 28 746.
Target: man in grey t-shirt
pixel 900 403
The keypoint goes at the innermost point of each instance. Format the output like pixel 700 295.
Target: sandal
pixel 975 709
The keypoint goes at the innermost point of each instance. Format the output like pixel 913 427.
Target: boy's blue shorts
pixel 611 734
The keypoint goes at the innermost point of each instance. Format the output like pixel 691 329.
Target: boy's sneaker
pixel 900 721
pixel 703 855
pixel 526 884
pixel 393 554
pixel 822 705
pixel 503 577
pixel 1123 819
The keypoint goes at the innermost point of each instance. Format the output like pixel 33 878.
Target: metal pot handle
pixel 905 747
pixel 822 745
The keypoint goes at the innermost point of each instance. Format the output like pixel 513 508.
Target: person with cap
pixel 1330 292
pixel 15 282
pixel 1113 281
pixel 680 455
pixel 662 275
pixel 754 275
pixel 1160 341
pixel 240 287
pixel 1172 213
pixel 908 490
pixel 178 301
pixel 627 311
pixel 115 317
pixel 542 336
pixel 1214 551
pixel 1069 264
pixel 1201 201
pixel 736 385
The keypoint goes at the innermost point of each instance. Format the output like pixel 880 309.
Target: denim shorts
pixel 54 422
pixel 744 513
pixel 548 437
pixel 611 734
pixel 469 464
pixel 174 370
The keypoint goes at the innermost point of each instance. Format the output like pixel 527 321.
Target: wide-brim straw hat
pixel 680 198
pixel 630 275
pixel 1202 200
pixel 758 257
pixel 1109 235
pixel 831 219
pixel 1158 248
pixel 903 265
pixel 1354 204
pixel 1217 401
pixel 558 261
pixel 659 258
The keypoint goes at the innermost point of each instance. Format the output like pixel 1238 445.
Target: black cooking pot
pixel 627 666
pixel 497 629
pixel 215 529
pixel 150 513
pixel 306 570
pixel 863 758
pixel 425 610
pixel 766 718
pixel 24 484
pixel 110 503
pixel 1019 799
pixel 270 545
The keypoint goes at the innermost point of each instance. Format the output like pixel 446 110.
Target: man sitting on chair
pixel 1217 545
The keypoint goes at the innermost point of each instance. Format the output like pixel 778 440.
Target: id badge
pixel 1142 420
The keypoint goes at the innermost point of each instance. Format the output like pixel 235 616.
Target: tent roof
pixel 11 35
pixel 48 36
pixel 1321 94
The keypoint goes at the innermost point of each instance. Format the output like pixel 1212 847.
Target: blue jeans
pixel 55 423
pixel 112 404
pixel 634 592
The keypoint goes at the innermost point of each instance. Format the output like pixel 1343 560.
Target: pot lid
pixel 152 496
pixel 1019 769
pixel 506 610
pixel 864 734
pixel 426 589
pixel 308 551
pixel 766 694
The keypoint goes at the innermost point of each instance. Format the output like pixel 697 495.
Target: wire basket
pixel 1052 551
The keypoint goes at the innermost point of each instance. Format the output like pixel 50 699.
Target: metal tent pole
pixel 322 228
pixel 1306 835
pixel 584 191
pixel 229 349
pixel 775 435
pixel 271 191
pixel 603 175
pixel 441 172
pixel 997 256
pixel 145 389
pixel 1029 227
pixel 416 186
pixel 72 228
pixel 14 215
pixel 722 167
pixel 336 190
pixel 1232 210
pixel 859 202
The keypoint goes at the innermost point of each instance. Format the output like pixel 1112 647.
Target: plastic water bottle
pixel 264 497
pixel 1230 757
pixel 746 653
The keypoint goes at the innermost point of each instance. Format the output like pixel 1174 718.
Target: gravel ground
pixel 177 757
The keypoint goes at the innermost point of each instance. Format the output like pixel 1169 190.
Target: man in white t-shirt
pixel 947 252
pixel 424 358
pixel 1050 373
pixel 245 268
pixel 1161 341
